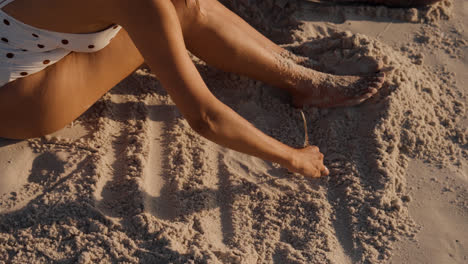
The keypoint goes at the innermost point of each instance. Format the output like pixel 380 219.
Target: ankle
pixel 295 78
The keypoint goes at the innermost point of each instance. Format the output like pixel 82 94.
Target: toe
pixel 377 82
pixel 367 96
pixel 373 90
pixel 358 101
pixel 380 77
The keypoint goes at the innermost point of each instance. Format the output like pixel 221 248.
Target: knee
pixel 192 7
pixel 186 4
pixel 190 12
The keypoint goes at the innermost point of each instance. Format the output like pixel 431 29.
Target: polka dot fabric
pixel 25 50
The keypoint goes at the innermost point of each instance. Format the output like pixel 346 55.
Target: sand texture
pixel 131 182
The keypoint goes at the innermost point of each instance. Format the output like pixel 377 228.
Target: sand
pixel 130 182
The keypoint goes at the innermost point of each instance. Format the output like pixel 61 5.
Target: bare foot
pixel 327 90
pixel 314 88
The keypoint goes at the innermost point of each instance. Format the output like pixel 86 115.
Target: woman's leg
pixel 222 39
pixel 50 99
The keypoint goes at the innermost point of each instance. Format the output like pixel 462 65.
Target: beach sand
pixel 130 182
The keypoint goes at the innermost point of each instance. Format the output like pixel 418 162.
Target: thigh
pixel 50 99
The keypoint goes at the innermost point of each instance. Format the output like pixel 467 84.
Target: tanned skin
pixel 158 33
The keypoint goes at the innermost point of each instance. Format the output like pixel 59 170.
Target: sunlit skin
pixel 158 33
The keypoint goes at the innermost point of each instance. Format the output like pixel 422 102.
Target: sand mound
pixel 204 203
pixel 414 117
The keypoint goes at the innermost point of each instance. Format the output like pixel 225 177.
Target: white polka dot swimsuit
pixel 25 50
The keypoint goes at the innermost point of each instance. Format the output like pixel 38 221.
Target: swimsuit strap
pixel 5 2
